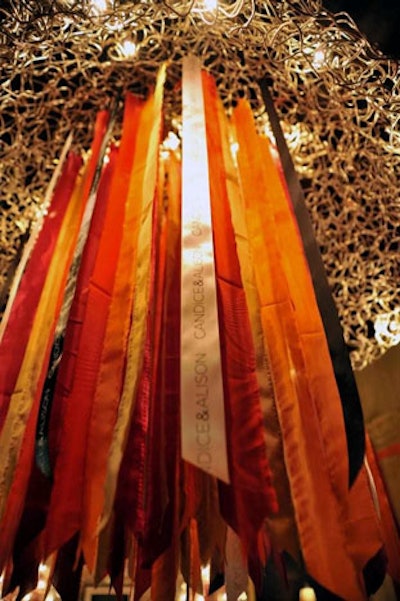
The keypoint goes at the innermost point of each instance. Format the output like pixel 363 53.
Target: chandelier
pixel 336 97
pixel 150 142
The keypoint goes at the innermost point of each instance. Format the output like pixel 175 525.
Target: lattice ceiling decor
pixel 337 98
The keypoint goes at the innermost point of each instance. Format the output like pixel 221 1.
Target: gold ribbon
pixel 38 348
pixel 139 313
pixel 202 396
pixel 34 235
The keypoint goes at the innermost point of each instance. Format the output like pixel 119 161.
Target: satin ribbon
pixel 312 427
pixel 103 128
pixel 36 350
pixel 137 335
pixel 23 309
pixel 165 527
pixel 110 372
pixel 351 406
pixel 30 244
pixel 136 472
pixel 202 397
pixel 78 372
pixel 17 437
pixel 281 524
pixel 134 411
pixel 251 497
pixel 236 576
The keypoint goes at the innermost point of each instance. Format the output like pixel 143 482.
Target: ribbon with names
pixel 202 396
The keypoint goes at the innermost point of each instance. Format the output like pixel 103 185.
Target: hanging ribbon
pixel 121 289
pixel 281 524
pixel 202 395
pixel 78 371
pixel 306 397
pixel 351 406
pixel 23 309
pixel 103 128
pixel 134 358
pixel 165 527
pixel 251 497
pixel 17 436
pixel 30 244
pixel 236 576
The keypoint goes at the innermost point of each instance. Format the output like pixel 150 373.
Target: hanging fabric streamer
pixel 103 130
pixel 21 313
pixel 77 375
pixel 250 498
pixel 281 523
pixel 239 341
pixel 351 406
pixel 134 357
pixel 236 576
pixel 17 436
pixel 39 489
pixel 166 525
pixel 30 244
pixel 306 396
pixel 202 396
pixel 37 349
pixel 121 289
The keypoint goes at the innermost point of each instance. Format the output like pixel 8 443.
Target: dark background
pixel 379 20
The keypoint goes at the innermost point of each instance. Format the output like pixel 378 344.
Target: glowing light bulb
pixel 318 58
pixel 127 48
pixel 43 573
pixel 99 6
pixel 307 594
pixel 207 10
pixel 171 142
pixel 387 328
pixel 210 5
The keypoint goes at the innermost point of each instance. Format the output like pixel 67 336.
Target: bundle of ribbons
pixel 171 393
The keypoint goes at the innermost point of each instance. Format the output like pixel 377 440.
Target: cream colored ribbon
pixel 202 396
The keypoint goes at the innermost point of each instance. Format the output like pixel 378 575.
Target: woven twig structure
pixel 338 101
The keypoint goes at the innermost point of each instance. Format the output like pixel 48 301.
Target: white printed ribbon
pixel 202 396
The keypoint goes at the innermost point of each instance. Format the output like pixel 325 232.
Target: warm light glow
pixel 210 5
pixel 43 575
pixel 171 142
pixel 234 148
pixel 318 58
pixel 307 594
pixel 205 577
pixel 127 48
pixel 99 6
pixel 207 10
pixel 387 328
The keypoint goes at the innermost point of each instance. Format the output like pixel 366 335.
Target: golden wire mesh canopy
pixel 337 98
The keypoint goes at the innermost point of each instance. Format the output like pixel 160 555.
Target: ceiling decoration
pixel 338 101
